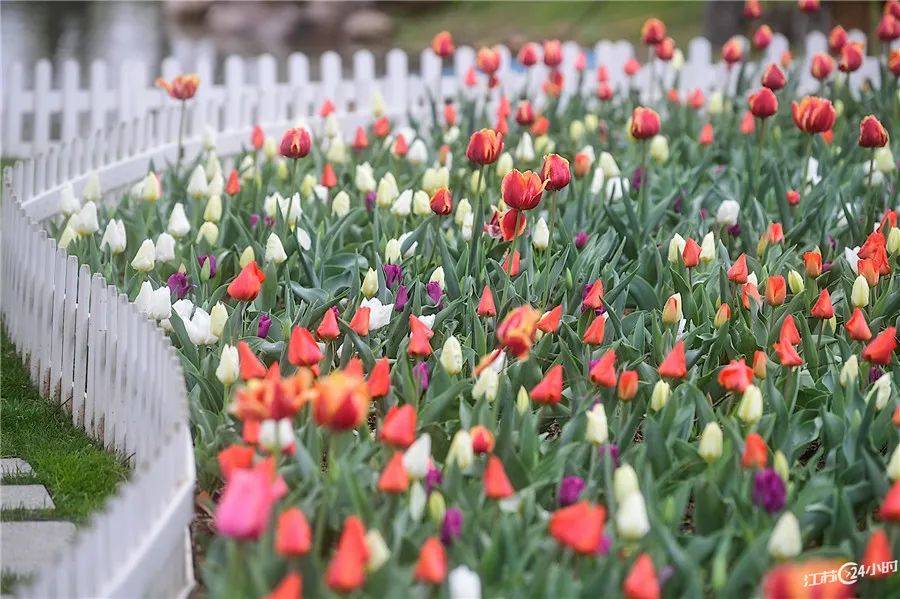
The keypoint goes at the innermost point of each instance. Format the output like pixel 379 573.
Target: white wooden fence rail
pixel 88 348
pixel 48 106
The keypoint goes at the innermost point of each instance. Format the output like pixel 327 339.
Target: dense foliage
pixel 595 349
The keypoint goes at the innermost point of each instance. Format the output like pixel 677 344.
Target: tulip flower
pixel 644 123
pixel 872 133
pixel 549 390
pixel 763 103
pixel 736 376
pixel 484 147
pixel 246 286
pixel 641 581
pixel 346 570
pixel 881 349
pixel 660 395
pixel 856 326
pixel 762 37
pixel 603 372
pixel 549 322
pixel 813 114
pixel 632 523
pixel 293 536
pixel 785 541
pixel 341 401
pixel 295 143
pixel 302 349
pixel 595 332
pixel 787 354
pixel 597 430
pixel 710 447
pixel 751 407
pixel 399 426
pixel 877 552
pixel 496 484
pixel 486 303
pixel 852 55
pixel 823 309
pixel 776 290
pixel 245 507
pixel 251 367
pixel 441 202
pixel 431 566
pixel 773 78
pixel 229 365
pixel 394 478
pixel 442 45
pixel 451 356
pixel 653 31
pixel 674 365
pixel 821 66
pixel 182 87
pixel 755 453
pixel 579 526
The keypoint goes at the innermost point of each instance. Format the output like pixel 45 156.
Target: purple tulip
pixel 604 545
pixel 734 230
pixel 212 263
pixel 581 239
pixel 637 178
pixel 254 220
pixel 370 201
pixel 433 478
pixel 401 297
pixel 570 490
pixel 769 490
pixel 611 450
pixel 265 322
pixel 874 374
pixel 393 274
pixel 420 374
pixel 269 221
pixel 451 528
pixel 434 291
pixel 179 284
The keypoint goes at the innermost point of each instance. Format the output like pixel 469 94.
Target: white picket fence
pixel 89 348
pixel 62 106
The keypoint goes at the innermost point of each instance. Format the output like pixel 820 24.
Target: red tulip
pixel 752 9
pixel 690 255
pixel 442 44
pixel 296 143
pixel 293 536
pixel 644 123
pixel 549 390
pixel 360 321
pixel 821 66
pixel 733 51
pixel 755 453
pixel 822 309
pixel 787 355
pixel 789 332
pixel 890 506
pixel 813 114
pixel 762 37
pixel 878 551
pixel 442 202
pixel 516 332
pixel 251 367
pixel 394 479
pixel 879 350
pixel 594 297
pixel 245 287
pixel 347 568
pixel 736 376
pixel 706 135
pixel 641 582
pixel 302 348
pixel 851 59
pixel 653 31
pixel 482 439
pixel 182 87
pixel 486 305
pixel 603 373
pixel 235 457
pixel 496 484
pixel 837 38
pixel 738 272
pixel 628 385
pixel 579 526
pixel 555 172
pixel 665 49
pixel 328 327
pixel 675 364
pixel 872 133
pixel 856 326
pixel 432 564
pixel 528 54
pixel 399 427
pixel 484 147
pixel 488 61
pixel 552 53
pixel 776 290
pixel 290 587
pixel 594 334
pixel 773 78
pixel 521 190
pixel 549 322
pixel 763 103
pixel 379 381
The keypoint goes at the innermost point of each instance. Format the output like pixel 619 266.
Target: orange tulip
pixel 880 349
pixel 549 390
pixel 182 87
pixel 736 377
pixel 245 287
pixel 675 364
pixel 603 373
pixel 755 452
pixel 302 348
pixel 394 478
pixel 516 332
pixel 292 536
pixel 347 568
pixel 341 401
pixel 496 484
pixel 432 564
pixel 399 427
pixel 641 582
pixel 579 526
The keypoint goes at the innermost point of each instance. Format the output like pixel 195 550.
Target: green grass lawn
pixel 78 474
pixel 481 23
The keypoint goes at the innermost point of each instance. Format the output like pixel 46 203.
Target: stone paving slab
pixel 27 546
pixel 14 466
pixel 26 497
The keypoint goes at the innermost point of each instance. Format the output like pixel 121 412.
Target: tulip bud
pixel 218 316
pixel 781 466
pixel 460 451
pixel 893 241
pixel 370 284
pixel 676 247
pixel 486 385
pixel 417 457
pixel 751 407
pixel 881 391
pixel 392 251
pixel 540 236
pixel 795 282
pixel 150 189
pixel 378 550
pixel 716 103
pixel 523 402
pixel 247 256
pixel 274 250
pixel 145 258
pixel 893 467
pixel 708 248
pixel 451 356
pixel 884 160
pixel 672 310
pixel 710 448
pixel 208 232
pixel 849 372
pixel 660 395
pixel 198 186
pixel 659 149
pixel 631 518
pixel 340 205
pixel 437 507
pixel 859 296
pixel 213 212
pixel 608 165
pixel 723 315
pixel 229 365
pixel 625 482
pixel 785 541
pixel 477 183
pixel 91 191
pixel 597 431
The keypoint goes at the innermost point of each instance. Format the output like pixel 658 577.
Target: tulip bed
pixel 548 347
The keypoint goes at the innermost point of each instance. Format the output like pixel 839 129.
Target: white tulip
pixel 218 317
pixel 379 553
pixel 540 236
pixel 379 314
pixel 392 251
pixel 417 457
pixel 417 153
pixel 631 518
pixel 91 191
pixel 150 188
pixel 145 258
pixel 881 391
pixel 711 443
pixel 451 356
pixel 84 222
pixel 213 212
pixel 421 205
pixel 751 407
pixel 486 385
pixel 893 467
pixel 402 206
pixel 617 188
pixel 608 165
pixel 504 164
pixel 114 237
pixel 198 186
pixel 785 541
pixel 525 149
pixel 229 365
pixel 274 250
pixel 387 191
pixel 303 239
pixel 68 203
pixel 199 328
pixel 597 430
pixel 179 226
pixel 209 232
pixel 625 482
pixel 437 276
pixel 728 212
pixel 369 285
pixel 460 451
pixel 708 248
pixel 464 583
pixel 364 178
pixel 340 205
pixel 676 248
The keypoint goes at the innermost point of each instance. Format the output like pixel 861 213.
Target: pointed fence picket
pixel 76 103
